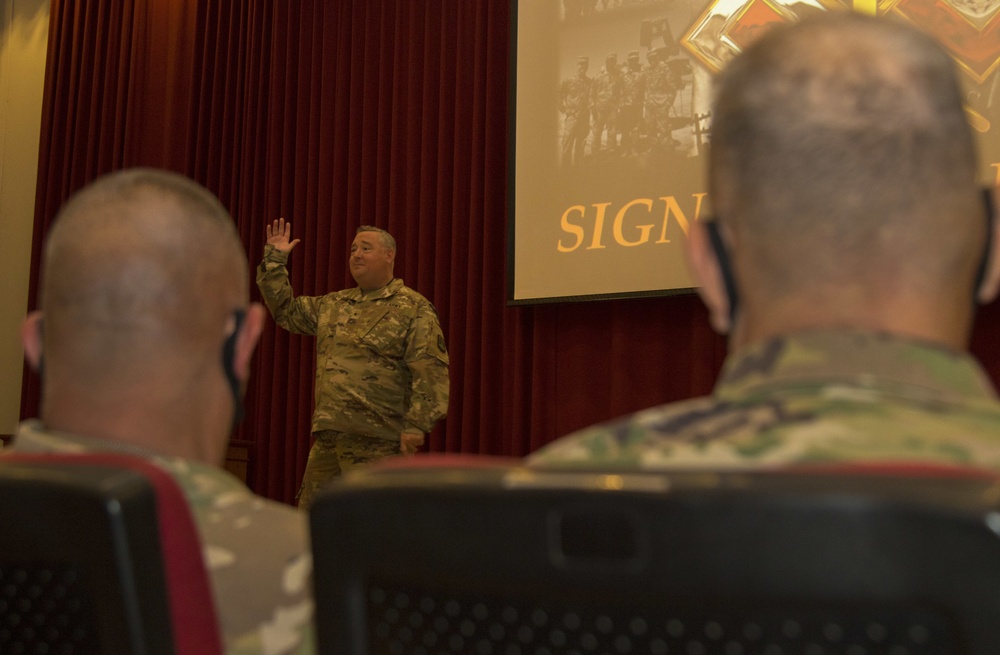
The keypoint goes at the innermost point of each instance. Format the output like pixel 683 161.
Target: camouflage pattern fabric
pixel 633 87
pixel 381 360
pixel 336 452
pixel 256 550
pixel 575 96
pixel 661 91
pixel 574 102
pixel 812 398
pixel 607 92
pixel 633 98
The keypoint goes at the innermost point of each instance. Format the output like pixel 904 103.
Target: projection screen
pixel 611 107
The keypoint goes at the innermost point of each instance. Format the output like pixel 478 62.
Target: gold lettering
pixel 698 197
pixel 671 205
pixel 644 230
pixel 574 222
pixel 601 208
pixel 571 228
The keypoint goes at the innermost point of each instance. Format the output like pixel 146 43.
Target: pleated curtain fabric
pixel 333 114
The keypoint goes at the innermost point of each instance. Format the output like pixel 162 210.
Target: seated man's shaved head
pixel 143 279
pixel 850 244
pixel 143 339
pixel 843 172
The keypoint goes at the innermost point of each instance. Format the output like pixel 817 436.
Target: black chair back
pixel 452 558
pixel 84 568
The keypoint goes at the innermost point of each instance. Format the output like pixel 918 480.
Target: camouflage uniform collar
pixel 387 291
pixel 890 363
pixel 32 436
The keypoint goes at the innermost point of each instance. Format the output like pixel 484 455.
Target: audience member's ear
pixel 990 285
pixel 246 341
pixel 704 265
pixel 31 339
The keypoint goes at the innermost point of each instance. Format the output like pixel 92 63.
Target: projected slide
pixel 611 128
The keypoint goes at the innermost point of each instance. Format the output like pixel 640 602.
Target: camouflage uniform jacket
pixel 811 398
pixel 661 87
pixel 633 87
pixel 256 550
pixel 381 361
pixel 574 96
pixel 607 89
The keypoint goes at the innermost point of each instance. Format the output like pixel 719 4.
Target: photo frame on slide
pixel 610 127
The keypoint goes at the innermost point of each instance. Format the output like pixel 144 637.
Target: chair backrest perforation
pixel 409 621
pixel 99 555
pixel 46 607
pixel 496 558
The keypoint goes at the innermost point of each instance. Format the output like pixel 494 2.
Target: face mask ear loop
pixel 228 356
pixel 725 267
pixel 990 205
pixel 40 326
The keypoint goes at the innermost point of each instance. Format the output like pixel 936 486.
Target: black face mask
pixel 984 261
pixel 725 268
pixel 228 355
pixel 729 282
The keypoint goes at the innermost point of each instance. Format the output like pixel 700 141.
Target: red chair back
pixel 116 534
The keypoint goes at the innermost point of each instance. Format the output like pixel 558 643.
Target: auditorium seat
pixel 99 555
pixel 484 556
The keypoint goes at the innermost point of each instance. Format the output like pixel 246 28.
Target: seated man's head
pixel 843 177
pixel 145 331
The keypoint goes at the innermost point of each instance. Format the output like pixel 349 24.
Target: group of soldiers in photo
pixel 625 109
pixel 580 8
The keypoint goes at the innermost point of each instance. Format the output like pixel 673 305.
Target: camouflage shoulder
pixel 341 295
pixel 416 300
pixel 413 295
pixel 619 442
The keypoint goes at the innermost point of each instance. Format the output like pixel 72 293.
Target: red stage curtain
pixel 335 113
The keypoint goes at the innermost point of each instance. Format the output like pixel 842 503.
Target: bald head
pixel 844 169
pixel 141 256
pixel 143 276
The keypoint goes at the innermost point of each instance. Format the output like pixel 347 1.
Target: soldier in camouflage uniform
pixel 381 361
pixel 575 105
pixel 607 91
pixel 633 98
pixel 850 245
pixel 662 84
pixel 148 334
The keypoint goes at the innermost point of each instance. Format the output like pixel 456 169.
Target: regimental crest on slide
pixel 726 27
pixel 969 29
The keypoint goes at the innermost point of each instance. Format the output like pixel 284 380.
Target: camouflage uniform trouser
pixel 605 116
pixel 336 452
pixel 575 137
